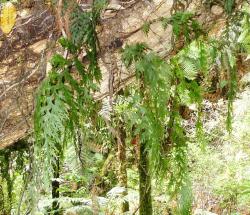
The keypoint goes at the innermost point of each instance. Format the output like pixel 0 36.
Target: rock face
pixel 25 52
pixel 23 56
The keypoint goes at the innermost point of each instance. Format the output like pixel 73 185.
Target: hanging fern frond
pixel 133 53
pixel 185 24
pixel 244 38
pixel 185 200
pixel 83 31
pixel 189 68
pixel 63 103
pixel 52 117
pixel 229 6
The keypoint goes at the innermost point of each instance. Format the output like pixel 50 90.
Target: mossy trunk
pixel 144 182
pixel 6 176
pixel 55 188
pixel 122 177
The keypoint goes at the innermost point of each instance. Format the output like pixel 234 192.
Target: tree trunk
pixel 145 204
pixel 55 188
pixel 9 181
pixel 144 182
pixel 122 177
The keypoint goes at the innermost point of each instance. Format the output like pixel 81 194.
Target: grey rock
pixel 79 210
pixel 245 80
pixel 203 212
pixel 102 200
pixel 116 192
pixel 217 10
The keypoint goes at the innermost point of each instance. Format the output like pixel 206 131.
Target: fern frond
pixel 229 5
pixel 190 68
pixel 132 53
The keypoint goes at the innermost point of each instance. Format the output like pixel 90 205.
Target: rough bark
pixel 144 182
pixel 122 177
pixel 145 204
pixel 55 188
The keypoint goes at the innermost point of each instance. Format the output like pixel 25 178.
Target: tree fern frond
pixel 185 199
pixel 133 53
pixel 190 68
pixel 229 5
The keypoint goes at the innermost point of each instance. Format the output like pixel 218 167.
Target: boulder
pixel 203 212
pixel 116 192
pixel 79 210
pixel 217 10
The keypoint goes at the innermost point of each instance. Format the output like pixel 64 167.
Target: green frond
pixel 146 28
pixel 185 199
pixel 229 5
pixel 189 68
pixel 185 24
pixel 133 53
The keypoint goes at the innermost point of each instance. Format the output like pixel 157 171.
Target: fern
pixel 230 62
pixel 181 81
pixel 64 103
pixel 150 117
pixel 244 38
pixel 185 200
pixel 146 28
pixel 229 5
pixel 133 53
pixel 83 31
pixel 151 109
pixel 184 24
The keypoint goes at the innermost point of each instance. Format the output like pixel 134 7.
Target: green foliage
pixel 133 53
pixel 51 118
pixel 150 109
pixel 184 23
pixel 231 61
pixel 146 28
pixel 174 84
pixel 83 33
pixel 228 59
pixel 186 200
pixel 64 102
pixel 244 38
pixel 13 160
pixel 159 124
pixel 149 104
pixel 229 5
pixel 195 59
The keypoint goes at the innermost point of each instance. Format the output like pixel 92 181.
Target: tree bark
pixel 144 182
pixel 55 188
pixel 122 177
pixel 145 205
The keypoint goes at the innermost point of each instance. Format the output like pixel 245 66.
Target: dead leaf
pixel 8 17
